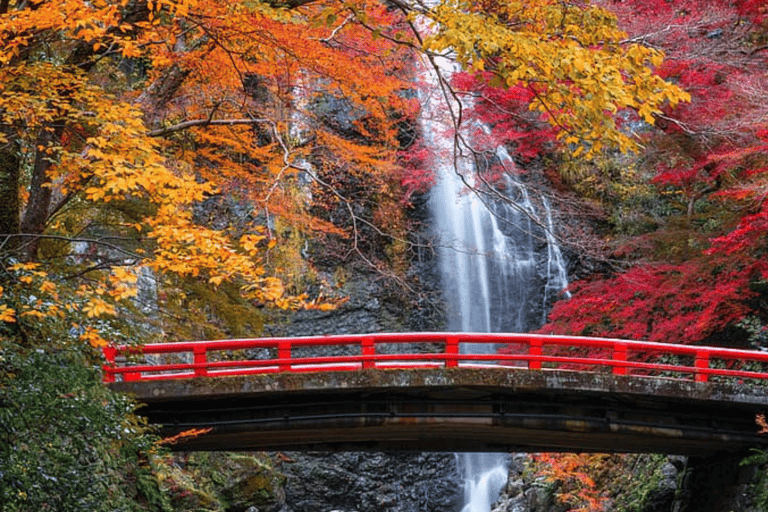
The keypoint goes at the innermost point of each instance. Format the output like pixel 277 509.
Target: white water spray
pixel 484 476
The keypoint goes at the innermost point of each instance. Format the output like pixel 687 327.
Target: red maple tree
pixel 702 268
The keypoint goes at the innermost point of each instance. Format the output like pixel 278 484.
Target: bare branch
pixel 356 220
pixel 337 29
pixel 202 122
pixel 95 241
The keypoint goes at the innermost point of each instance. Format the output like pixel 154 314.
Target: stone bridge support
pixel 717 483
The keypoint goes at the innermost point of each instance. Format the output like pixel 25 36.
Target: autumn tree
pixel 690 263
pixel 186 138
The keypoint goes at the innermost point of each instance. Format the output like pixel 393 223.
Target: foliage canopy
pixel 693 268
pixel 195 138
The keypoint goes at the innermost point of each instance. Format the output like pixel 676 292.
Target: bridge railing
pixel 430 350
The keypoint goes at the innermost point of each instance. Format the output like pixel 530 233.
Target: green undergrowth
pixel 637 483
pixel 759 486
pixel 66 442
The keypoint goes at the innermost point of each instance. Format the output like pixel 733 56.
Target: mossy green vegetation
pixel 759 486
pixel 66 442
pixel 217 481
pixel 638 482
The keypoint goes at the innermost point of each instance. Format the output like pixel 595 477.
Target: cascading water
pixel 492 257
pixel 484 476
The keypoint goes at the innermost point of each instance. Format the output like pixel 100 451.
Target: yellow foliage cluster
pixel 573 58
pixel 140 157
pixel 36 297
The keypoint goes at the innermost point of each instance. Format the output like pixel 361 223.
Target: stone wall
pixel 371 482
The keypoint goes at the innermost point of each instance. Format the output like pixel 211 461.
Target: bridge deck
pixel 455 409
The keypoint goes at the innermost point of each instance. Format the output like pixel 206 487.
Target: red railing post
pixel 110 352
pixel 368 350
pixel 534 349
pixel 129 376
pixel 702 362
pixel 619 354
pixel 284 355
pixel 200 360
pixel 452 351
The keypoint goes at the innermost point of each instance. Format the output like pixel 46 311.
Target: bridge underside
pixel 458 409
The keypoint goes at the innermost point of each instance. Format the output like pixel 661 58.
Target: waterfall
pixel 484 476
pixel 492 266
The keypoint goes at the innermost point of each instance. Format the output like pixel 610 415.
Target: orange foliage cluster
pixel 570 471
pixel 135 127
pixel 186 434
pixel 762 423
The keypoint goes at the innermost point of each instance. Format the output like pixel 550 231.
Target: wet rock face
pixel 371 482
pixel 251 485
pixel 662 497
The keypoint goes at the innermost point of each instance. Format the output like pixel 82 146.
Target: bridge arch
pixel 624 397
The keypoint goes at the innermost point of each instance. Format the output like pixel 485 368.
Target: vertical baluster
pixel 619 354
pixel 110 352
pixel 284 355
pixel 534 349
pixel 369 350
pixel 452 351
pixel 200 360
pixel 702 362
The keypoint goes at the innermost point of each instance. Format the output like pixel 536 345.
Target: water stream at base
pixel 490 264
pixel 484 476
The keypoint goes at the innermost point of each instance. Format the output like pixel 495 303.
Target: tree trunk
pixel 10 169
pixel 40 194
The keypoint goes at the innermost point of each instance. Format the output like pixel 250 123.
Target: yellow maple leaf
pixel 273 289
pixel 93 338
pixel 96 307
pixel 216 280
pixel 7 314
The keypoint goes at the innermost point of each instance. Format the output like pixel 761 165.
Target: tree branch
pixel 202 122
pixel 96 241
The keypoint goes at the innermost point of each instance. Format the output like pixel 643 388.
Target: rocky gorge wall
pixel 392 482
pixel 362 482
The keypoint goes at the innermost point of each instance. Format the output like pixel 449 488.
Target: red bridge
pixel 419 391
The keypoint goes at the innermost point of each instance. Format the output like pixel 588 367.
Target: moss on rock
pixel 223 482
